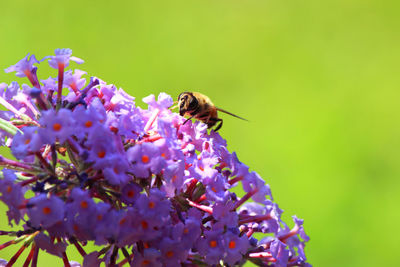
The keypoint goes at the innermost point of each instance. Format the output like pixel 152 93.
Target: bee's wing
pixel 227 112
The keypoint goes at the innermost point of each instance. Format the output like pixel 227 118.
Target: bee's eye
pixel 193 103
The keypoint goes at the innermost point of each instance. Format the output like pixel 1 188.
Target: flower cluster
pixel 147 189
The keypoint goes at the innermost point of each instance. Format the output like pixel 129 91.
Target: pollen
pixel 145 159
pixel 57 126
pixel 214 189
pixel 27 141
pixel 101 154
pixel 88 124
pixel 84 204
pixel 46 210
pixel 232 244
pixel 163 155
pixel 174 178
pixel 152 204
pixel 186 231
pixel 9 189
pixel 169 254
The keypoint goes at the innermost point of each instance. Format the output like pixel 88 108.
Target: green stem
pixel 9 127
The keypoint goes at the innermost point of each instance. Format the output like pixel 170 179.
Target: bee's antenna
pixel 174 107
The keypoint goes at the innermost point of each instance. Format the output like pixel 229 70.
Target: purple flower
pixel 12 195
pixel 187 232
pixel 217 189
pixel 92 259
pixel 280 253
pixel 224 213
pixel 130 193
pixel 174 175
pixel 49 85
pixel 79 214
pixel 116 173
pixel 56 125
pixel 172 252
pixel 24 67
pixel 86 120
pixel 154 206
pixel 235 246
pixel 102 148
pixel 211 246
pixel 74 81
pixel 135 181
pixel 164 101
pixel 145 158
pixel 149 257
pixel 27 142
pixel 44 242
pixel 121 102
pixel 253 181
pixel 62 58
pixel 131 125
pixel 106 223
pixel 45 212
pixel 9 91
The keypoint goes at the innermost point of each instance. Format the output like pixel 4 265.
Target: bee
pixel 200 107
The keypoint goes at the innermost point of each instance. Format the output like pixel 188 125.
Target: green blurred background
pixel 318 80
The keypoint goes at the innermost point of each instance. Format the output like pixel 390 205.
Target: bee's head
pixel 187 102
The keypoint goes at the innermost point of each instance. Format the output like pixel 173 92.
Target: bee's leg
pixel 219 125
pixel 188 120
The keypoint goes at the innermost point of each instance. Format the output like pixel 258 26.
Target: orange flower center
pixel 213 243
pixel 169 254
pixel 145 159
pixel 27 141
pixel 145 262
pixel 152 204
pixel 84 204
pixel 101 154
pixel 46 210
pixel 88 124
pixel 144 224
pixel 232 244
pixel 131 193
pixel 57 127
